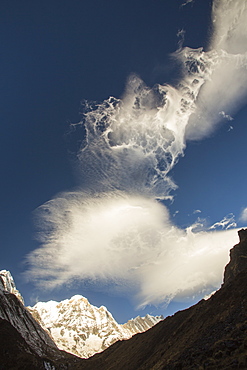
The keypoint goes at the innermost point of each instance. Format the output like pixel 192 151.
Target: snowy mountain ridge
pixel 73 324
pixel 80 328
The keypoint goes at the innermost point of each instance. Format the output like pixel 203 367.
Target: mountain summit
pixel 80 328
pixel 7 283
pixel 72 325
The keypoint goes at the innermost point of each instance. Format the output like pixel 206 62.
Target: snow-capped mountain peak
pixel 7 284
pixel 75 325
pixel 78 327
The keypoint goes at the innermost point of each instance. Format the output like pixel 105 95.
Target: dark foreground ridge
pixel 209 335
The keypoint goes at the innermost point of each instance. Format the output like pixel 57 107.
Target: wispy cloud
pixel 187 2
pixel 227 222
pixel 243 216
pixel 226 116
pixel 181 36
pixel 225 88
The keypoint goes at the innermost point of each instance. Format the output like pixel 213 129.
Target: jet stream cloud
pixel 115 228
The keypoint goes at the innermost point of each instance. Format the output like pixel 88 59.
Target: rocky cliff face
pixel 80 328
pixel 238 258
pixel 7 284
pixel 22 338
pixel 17 315
pixel 12 310
pixel 16 353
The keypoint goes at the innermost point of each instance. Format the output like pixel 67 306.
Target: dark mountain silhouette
pixel 209 335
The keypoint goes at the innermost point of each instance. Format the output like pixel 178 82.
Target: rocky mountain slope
pixel 209 335
pixel 80 328
pixel 24 344
pixel 19 317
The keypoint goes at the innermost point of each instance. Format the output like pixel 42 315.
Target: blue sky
pixel 55 55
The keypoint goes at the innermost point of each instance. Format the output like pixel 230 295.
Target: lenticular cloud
pixel 115 228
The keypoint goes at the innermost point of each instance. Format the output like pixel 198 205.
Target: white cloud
pixel 128 241
pixel 192 266
pixel 243 216
pixel 225 86
pixel 227 222
pixel 112 229
pixel 229 18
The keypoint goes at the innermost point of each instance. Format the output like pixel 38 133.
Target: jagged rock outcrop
pixel 80 328
pixel 7 283
pixel 238 258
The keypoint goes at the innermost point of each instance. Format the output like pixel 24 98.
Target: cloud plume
pixel 128 241
pixel 115 228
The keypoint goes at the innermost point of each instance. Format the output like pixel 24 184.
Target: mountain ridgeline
pixel 82 329
pixel 209 335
